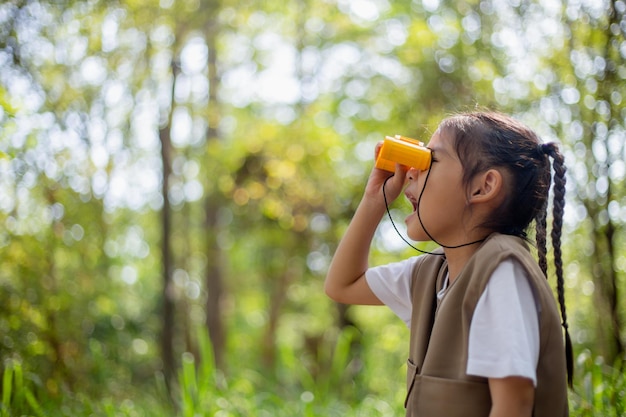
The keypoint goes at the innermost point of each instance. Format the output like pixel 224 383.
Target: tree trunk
pixel 214 284
pixel 214 271
pixel 606 294
pixel 605 278
pixel 277 300
pixel 167 331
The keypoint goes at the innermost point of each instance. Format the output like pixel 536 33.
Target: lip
pixel 412 200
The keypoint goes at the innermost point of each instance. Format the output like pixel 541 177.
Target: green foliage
pixel 86 90
pixel 16 394
pixel 601 389
pixel 206 392
pixel 202 390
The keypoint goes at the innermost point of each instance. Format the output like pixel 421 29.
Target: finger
pixel 379 145
pixel 400 173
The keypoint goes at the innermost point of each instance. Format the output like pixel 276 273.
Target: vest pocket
pixel 443 397
pixel 411 373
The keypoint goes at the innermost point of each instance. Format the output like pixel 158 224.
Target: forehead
pixel 441 140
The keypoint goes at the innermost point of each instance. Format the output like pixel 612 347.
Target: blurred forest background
pixel 175 175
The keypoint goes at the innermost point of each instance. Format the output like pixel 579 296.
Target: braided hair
pixel 484 140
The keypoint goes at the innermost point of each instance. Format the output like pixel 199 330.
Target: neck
pixel 457 259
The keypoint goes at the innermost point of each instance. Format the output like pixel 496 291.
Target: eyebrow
pixel 438 149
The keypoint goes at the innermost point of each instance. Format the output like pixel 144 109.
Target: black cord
pixel 396 228
pixel 420 219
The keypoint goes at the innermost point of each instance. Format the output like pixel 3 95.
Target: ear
pixel 487 187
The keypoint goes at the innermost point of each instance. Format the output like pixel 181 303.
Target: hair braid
pixel 540 237
pixel 557 226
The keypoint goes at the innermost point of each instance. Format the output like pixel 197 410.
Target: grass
pixel 601 389
pixel 202 390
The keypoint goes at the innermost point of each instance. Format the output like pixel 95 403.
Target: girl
pixel 486 337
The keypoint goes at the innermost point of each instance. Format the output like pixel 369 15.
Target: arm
pixel 345 281
pixel 511 397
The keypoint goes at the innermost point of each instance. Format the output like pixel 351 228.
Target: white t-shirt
pixel 504 332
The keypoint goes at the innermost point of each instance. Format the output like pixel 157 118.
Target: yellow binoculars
pixel 405 151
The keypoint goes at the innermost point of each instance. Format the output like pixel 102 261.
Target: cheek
pixel 447 194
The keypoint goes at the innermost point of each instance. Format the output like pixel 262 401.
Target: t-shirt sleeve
pixel 391 283
pixel 504 332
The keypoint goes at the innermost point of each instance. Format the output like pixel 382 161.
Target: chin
pixel 418 237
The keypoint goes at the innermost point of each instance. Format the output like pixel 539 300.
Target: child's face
pixel 443 202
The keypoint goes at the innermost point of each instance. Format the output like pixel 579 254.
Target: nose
pixel 412 174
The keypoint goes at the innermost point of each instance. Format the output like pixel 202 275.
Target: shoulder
pixel 498 248
pixel 508 283
pixel 506 243
pixel 506 262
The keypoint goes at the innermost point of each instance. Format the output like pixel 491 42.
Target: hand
pixel 378 177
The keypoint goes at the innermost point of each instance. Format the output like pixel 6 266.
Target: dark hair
pixel 485 140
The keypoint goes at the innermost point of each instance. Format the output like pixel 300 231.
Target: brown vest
pixel 436 379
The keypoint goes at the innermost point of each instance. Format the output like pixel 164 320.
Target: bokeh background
pixel 175 175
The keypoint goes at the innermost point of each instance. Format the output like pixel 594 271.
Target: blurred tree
pixel 605 125
pixel 75 136
pixel 213 202
pixel 167 332
pixel 173 164
pixel 585 105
